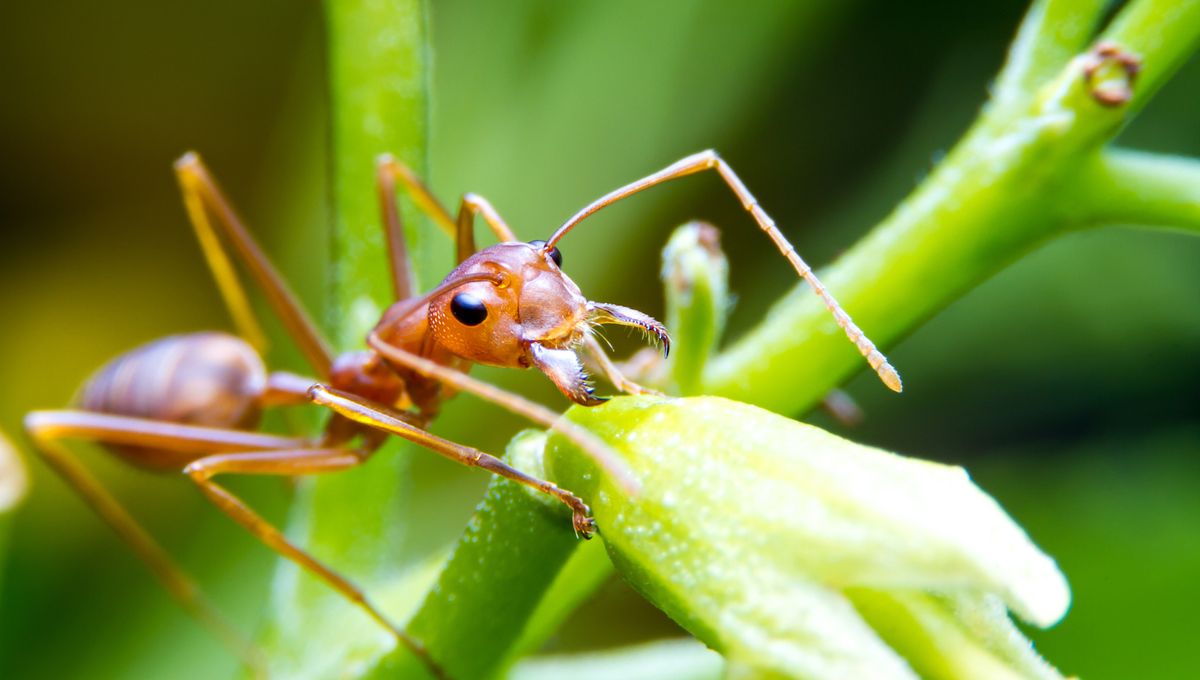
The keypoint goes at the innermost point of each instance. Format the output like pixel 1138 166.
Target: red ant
pixel 191 402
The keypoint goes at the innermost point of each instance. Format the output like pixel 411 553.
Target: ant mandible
pixel 191 402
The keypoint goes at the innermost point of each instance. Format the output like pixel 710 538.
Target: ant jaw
pixel 604 313
pixel 564 370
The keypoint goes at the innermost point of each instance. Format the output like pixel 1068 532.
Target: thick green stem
pixel 359 521
pixel 378 65
pixel 995 197
pixel 379 103
pixel 514 576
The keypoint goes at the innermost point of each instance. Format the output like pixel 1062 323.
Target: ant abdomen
pixel 209 378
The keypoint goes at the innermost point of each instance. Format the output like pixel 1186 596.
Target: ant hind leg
pixel 45 429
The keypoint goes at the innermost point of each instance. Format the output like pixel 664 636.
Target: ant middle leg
pixel 203 198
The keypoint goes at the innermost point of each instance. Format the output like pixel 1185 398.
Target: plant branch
pixel 1119 186
pixel 993 199
pixel 1164 33
pixel 1052 33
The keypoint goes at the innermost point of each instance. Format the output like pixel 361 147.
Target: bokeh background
pixel 1066 384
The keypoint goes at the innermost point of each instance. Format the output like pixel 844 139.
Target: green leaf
pixel 751 529
pixel 969 637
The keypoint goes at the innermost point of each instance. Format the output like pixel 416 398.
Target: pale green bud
pixel 696 279
pixel 799 554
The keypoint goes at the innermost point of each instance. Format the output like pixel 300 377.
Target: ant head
pixel 517 296
pixel 515 308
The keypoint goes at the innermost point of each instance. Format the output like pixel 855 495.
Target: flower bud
pixel 799 554
pixel 696 277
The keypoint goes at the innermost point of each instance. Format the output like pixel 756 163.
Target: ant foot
pixel 585 526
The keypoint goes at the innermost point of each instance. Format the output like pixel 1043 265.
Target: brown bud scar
pixel 1110 72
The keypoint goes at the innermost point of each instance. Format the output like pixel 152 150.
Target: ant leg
pixel 293 462
pixel 202 197
pixel 600 452
pixel 610 370
pixel 202 452
pixel 47 428
pixel 472 205
pixel 387 170
pixel 842 408
pixel 709 160
pixel 380 417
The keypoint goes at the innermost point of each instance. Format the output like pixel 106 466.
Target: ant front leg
pixel 471 206
pixel 381 418
pixel 593 446
pixel 611 371
pixel 388 169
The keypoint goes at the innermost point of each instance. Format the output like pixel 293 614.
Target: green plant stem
pixel 360 520
pixel 997 195
pixel 1120 186
pixel 1052 33
pixel 470 622
pixel 379 103
pixel 378 65
pixel 1163 33
pixel 513 577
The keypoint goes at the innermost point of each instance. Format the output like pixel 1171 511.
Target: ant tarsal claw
pixel 581 518
pixel 585 526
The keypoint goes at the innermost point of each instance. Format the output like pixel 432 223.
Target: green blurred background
pixel 1066 384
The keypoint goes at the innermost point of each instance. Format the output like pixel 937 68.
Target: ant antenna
pixel 709 160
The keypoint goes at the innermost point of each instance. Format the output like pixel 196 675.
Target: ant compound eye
pixel 554 252
pixel 468 309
